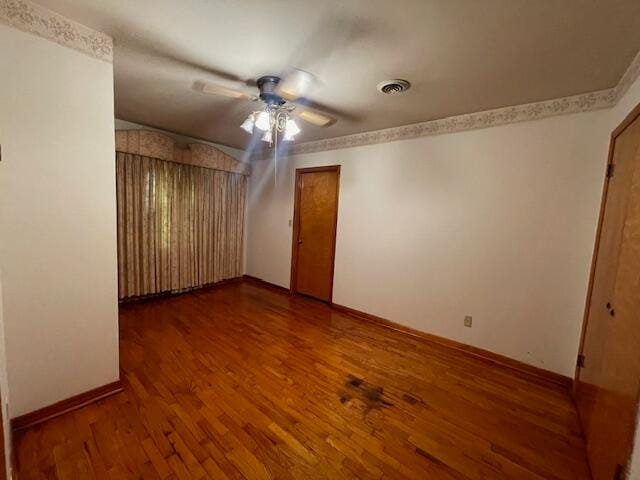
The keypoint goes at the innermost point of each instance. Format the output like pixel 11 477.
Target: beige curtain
pixel 179 226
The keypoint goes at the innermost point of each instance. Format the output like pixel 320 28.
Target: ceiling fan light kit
pixel 275 118
pixel 282 99
pixel 291 128
pixel 272 121
pixel 248 124
pixel 262 120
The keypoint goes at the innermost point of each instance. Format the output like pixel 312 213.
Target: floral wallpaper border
pixel 32 18
pixel 490 118
pixel 630 76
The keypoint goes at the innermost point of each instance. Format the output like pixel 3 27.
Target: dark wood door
pixel 314 233
pixel 3 464
pixel 608 382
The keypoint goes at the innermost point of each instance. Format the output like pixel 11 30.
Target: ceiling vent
pixel 393 87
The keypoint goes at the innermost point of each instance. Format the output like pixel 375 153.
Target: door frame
pixel 296 224
pixel 3 446
pixel 628 120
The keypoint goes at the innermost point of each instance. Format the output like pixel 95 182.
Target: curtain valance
pixel 158 145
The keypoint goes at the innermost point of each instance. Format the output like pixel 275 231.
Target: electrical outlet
pixel 468 320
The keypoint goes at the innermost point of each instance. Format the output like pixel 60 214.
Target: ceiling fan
pixel 283 99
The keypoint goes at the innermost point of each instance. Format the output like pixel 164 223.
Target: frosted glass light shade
pixel 263 122
pixel 247 125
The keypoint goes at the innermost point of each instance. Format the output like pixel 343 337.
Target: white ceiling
pixel 460 55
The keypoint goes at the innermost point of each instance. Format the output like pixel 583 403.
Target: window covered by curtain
pixel 179 226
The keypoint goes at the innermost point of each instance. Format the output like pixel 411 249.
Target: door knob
pixel 299 241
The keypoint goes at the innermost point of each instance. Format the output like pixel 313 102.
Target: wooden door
pixel 3 463
pixel 608 380
pixel 314 231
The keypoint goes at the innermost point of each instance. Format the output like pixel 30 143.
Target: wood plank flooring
pixel 241 382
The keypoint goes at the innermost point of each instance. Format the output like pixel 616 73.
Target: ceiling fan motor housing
pixel 267 85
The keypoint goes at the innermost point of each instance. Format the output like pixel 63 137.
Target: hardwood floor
pixel 243 382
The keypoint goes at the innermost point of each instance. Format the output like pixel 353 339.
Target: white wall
pixel 496 223
pixel 58 220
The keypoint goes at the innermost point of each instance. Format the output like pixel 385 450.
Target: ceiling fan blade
pixel 296 84
pixel 315 118
pixel 215 89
